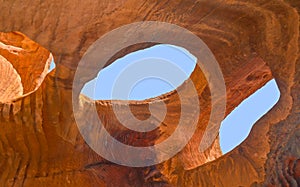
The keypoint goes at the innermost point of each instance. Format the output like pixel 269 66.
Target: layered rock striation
pixel 40 144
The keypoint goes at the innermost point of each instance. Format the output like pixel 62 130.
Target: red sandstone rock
pixel 11 86
pixel 40 143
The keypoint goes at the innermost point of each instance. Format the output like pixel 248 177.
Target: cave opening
pixel 237 125
pixel 234 128
pixel 52 65
pixel 142 74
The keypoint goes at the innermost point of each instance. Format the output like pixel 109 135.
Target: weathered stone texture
pixel 40 145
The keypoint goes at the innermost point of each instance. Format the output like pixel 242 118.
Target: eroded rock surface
pixel 11 86
pixel 40 144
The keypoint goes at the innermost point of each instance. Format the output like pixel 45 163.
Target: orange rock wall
pixel 40 144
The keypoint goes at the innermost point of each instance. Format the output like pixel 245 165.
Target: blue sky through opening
pixel 149 87
pixel 237 125
pixel 52 65
pixel 234 128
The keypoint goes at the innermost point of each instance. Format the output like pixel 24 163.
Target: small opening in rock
pixel 142 74
pixel 237 125
pixel 52 65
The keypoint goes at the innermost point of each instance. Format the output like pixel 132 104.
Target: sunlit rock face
pixel 11 85
pixel 253 42
pixel 24 65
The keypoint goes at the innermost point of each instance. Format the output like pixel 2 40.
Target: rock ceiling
pixel 40 144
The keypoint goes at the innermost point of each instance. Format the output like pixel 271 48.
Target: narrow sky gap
pixel 237 125
pixel 52 65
